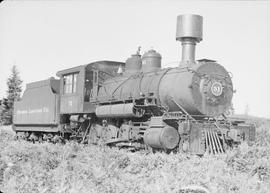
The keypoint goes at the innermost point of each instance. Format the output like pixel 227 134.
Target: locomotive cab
pixel 79 85
pixel 72 84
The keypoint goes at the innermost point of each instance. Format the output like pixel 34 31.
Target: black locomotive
pixel 137 104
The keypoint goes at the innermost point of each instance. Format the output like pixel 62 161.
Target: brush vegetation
pixel 47 168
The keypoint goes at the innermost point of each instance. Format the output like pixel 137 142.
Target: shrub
pixel 46 167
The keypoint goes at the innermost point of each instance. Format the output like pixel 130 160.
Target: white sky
pixel 42 37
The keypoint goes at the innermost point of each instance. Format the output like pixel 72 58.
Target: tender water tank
pixel 151 61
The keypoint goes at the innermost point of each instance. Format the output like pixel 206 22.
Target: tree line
pixel 13 93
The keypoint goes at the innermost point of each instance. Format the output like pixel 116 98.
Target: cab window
pixel 70 83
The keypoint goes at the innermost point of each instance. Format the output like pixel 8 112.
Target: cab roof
pixel 110 67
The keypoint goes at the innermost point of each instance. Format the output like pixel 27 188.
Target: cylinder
pixel 166 138
pixel 189 31
pixel 151 61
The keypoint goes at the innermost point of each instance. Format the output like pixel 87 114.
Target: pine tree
pixel 14 84
pixel 4 115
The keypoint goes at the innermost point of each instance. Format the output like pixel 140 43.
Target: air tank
pixel 151 61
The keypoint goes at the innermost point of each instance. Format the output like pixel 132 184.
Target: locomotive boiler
pixel 137 104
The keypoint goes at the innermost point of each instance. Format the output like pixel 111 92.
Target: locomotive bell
pixel 189 31
pixel 151 61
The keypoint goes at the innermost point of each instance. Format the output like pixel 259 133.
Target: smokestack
pixel 189 32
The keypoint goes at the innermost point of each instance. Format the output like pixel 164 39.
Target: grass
pixel 27 167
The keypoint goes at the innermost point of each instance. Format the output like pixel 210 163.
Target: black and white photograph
pixel 122 96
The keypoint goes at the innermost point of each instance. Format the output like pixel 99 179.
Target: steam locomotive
pixel 137 104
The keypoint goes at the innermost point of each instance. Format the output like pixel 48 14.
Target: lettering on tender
pixel 32 111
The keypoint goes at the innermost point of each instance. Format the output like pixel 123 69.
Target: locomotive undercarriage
pixel 36 136
pixel 171 131
pixel 156 130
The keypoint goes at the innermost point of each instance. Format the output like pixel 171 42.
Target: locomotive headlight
pixel 216 88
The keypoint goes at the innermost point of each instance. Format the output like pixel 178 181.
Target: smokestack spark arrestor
pixel 189 31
